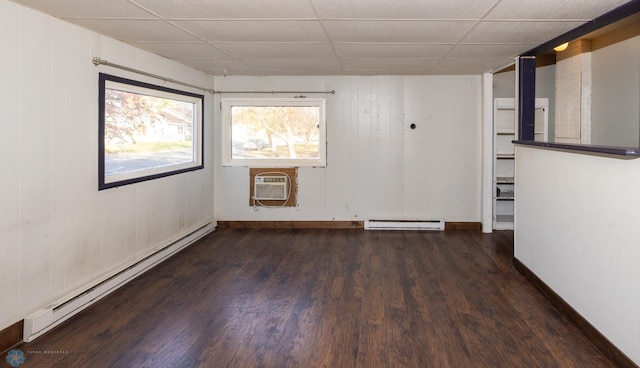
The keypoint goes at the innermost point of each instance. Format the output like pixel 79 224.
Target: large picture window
pixel 274 132
pixel 146 131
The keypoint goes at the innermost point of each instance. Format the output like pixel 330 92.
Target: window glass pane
pixel 147 131
pixel 144 132
pixel 275 132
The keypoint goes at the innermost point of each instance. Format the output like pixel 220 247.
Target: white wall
pixel 58 233
pixel 504 85
pixel 377 166
pixel 615 104
pixel 577 229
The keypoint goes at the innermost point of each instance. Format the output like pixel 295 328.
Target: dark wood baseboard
pixel 290 225
pixel 474 226
pixel 597 338
pixel 11 336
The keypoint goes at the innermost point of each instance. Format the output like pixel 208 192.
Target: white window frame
pixel 131 86
pixel 228 102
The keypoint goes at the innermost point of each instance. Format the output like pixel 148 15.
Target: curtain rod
pixel 97 61
pixel 332 92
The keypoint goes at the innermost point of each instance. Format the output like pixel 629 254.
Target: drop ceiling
pixel 331 37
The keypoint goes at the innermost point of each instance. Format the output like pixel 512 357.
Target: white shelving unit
pixel 505 131
pixel 504 128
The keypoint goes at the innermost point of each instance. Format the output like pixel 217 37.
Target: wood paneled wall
pixel 58 233
pixel 377 165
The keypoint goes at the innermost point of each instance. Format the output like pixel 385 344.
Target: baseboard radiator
pixel 54 314
pixel 437 225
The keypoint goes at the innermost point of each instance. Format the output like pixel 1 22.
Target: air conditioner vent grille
pixel 274 188
pixel 273 179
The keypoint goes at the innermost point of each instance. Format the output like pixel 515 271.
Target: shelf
pixel 505 194
pixel 505 180
pixel 617 152
pixel 503 222
pixel 505 156
pixel 504 219
pixel 506 132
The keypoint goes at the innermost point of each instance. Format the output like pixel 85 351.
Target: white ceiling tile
pixel 397 31
pixel 256 31
pixel 282 65
pixel 478 64
pixel 518 32
pixel 136 30
pixel 552 9
pixel 389 50
pixel 277 50
pixel 405 9
pixel 483 50
pixel 232 66
pixel 87 9
pixel 183 50
pixel 236 9
pixel 386 64
pixel 457 71
pixel 386 72
pixel 299 72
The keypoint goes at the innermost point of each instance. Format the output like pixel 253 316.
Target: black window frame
pixel 145 175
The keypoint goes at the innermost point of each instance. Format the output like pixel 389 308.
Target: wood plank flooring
pixel 324 298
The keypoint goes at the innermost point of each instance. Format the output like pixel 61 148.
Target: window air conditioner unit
pixel 271 188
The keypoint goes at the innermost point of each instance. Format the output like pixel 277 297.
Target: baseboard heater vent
pixel 437 225
pixel 54 314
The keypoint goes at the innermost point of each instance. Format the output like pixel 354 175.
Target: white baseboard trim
pixel 437 225
pixel 54 314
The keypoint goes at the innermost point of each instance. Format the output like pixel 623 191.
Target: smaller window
pixel 274 132
pixel 146 131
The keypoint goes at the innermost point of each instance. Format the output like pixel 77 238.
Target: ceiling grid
pixel 331 37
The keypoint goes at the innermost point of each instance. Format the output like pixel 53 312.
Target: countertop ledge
pixel 627 153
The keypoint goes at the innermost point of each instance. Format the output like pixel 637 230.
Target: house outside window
pixel 146 131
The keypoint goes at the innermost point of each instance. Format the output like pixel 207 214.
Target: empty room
pixel 320 183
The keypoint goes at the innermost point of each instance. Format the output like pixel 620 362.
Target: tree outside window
pixel 285 131
pixel 146 131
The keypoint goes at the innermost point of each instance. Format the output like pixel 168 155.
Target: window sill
pixel 627 153
pixel 275 164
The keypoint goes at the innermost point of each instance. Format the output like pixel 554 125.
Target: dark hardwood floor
pixel 324 298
